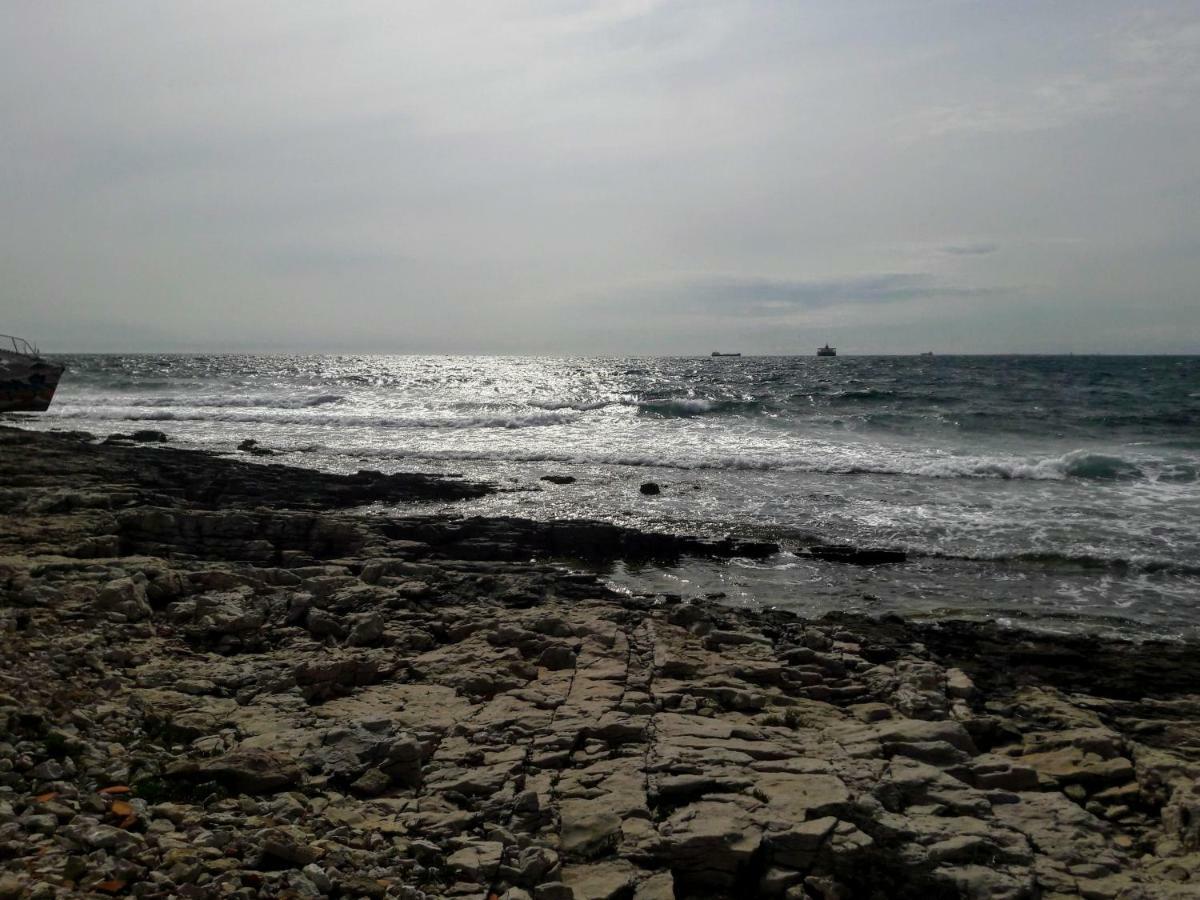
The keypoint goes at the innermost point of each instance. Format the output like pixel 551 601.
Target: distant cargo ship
pixel 27 381
pixel 827 351
pixel 718 353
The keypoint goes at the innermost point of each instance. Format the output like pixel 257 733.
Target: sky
pixel 617 177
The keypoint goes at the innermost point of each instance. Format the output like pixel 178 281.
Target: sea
pixel 1052 492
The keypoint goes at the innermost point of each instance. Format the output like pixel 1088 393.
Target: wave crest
pixel 1075 464
pixel 1082 560
pixel 682 408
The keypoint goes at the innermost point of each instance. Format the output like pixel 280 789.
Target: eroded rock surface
pixel 223 700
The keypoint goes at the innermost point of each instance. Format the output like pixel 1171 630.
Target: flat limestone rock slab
pixel 600 881
pixel 411 705
pixel 795 798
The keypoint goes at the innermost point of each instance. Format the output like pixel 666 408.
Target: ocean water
pixel 1054 492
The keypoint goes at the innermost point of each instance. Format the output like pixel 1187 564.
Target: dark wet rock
pixel 513 538
pixel 859 556
pixel 148 436
pixel 250 445
pixel 559 479
pixel 210 482
pixel 650 488
pixel 557 656
pixel 145 436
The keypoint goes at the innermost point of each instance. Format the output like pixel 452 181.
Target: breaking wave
pixel 683 408
pixel 576 405
pixel 1075 464
pixel 1071 465
pixel 866 395
pixel 324 399
pixel 1087 561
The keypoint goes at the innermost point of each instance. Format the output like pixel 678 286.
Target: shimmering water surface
pixel 1056 491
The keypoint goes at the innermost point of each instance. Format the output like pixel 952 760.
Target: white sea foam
pixel 577 405
pixel 663 451
pixel 1077 464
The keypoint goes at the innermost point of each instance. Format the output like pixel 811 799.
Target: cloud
pixel 327 259
pixel 1146 61
pixel 979 249
pixel 771 297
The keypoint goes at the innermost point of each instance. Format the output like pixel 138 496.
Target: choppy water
pixel 1059 491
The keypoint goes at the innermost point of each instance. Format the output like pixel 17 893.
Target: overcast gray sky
pixel 626 176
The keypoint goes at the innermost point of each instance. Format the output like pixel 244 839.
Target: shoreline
pixel 212 676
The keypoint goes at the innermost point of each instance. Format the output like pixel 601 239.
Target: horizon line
pixel 551 355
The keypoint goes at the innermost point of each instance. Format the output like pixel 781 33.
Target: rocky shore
pixel 219 680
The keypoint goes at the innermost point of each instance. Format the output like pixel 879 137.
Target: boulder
pixel 365 629
pixel 660 886
pixel 289 845
pixel 321 623
pixel 220 613
pixel 556 657
pixel 709 841
pixel 1073 765
pixel 104 837
pixel 477 861
pixel 250 445
pixel 797 847
pixel 536 864
pixel 793 798
pixel 600 881
pixel 371 783
pixel 126 596
pixel 243 771
pixel 145 435
pixel 588 828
